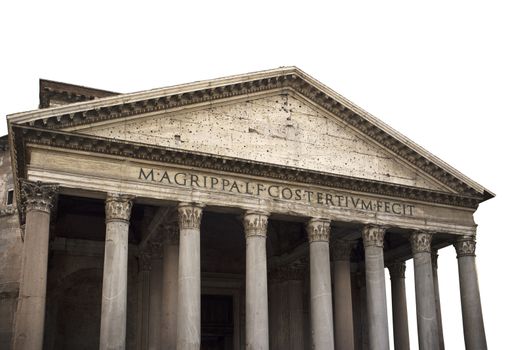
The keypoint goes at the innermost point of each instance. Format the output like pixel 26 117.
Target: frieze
pixel 94 144
pixel 279 82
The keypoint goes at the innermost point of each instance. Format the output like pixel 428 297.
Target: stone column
pixel 115 280
pixel 375 287
pixel 425 299
pixel 320 284
pixel 189 279
pixel 169 285
pixel 255 225
pixel 143 298
pixel 274 308
pixel 31 308
pixel 399 306
pixel 344 322
pixel 434 256
pixel 155 296
pixel 295 276
pixel 473 328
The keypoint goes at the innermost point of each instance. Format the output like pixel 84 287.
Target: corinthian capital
pixel 397 270
pixel 318 230
pixel 255 224
pixel 420 242
pixel 118 207
pixel 190 215
pixel 341 249
pixel 37 195
pixel 465 246
pixel 373 235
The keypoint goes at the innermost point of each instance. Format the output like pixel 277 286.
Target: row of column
pixel 181 297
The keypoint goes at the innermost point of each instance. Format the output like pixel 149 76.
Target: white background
pixel 449 75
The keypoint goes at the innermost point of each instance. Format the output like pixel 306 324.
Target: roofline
pixel 158 93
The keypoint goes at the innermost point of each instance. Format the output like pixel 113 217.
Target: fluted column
pixel 399 306
pixel 441 339
pixel 255 226
pixel 320 285
pixel 30 315
pixel 189 278
pixel 343 318
pixel 169 285
pixel 473 328
pixel 115 280
pixel 375 287
pixel 425 300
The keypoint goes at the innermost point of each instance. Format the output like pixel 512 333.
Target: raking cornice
pixel 281 79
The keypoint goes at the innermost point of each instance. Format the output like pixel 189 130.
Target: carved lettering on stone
pixel 318 230
pixel 421 242
pixel 466 246
pixel 373 235
pixel 255 224
pixel 190 215
pixel 37 195
pixel 118 207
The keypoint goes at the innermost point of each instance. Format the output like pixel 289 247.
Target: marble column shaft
pixel 255 229
pixel 375 287
pixel 399 306
pixel 435 278
pixel 343 318
pixel 425 299
pixel 31 308
pixel 115 280
pixel 320 285
pixel 189 278
pixel 473 327
pixel 169 286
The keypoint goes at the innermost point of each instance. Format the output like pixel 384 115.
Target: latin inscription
pixel 330 199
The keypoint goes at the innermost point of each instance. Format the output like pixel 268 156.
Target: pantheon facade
pixel 256 211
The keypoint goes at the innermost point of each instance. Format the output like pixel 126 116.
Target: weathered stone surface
pixel 281 129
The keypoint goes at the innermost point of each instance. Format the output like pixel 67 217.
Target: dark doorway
pixel 217 322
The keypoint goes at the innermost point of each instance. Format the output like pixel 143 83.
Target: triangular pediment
pixel 277 129
pixel 281 116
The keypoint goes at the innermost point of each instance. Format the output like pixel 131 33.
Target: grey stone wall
pixel 10 252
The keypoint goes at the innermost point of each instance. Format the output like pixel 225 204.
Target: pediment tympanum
pixel 279 129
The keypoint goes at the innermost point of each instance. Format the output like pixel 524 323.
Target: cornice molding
pixel 23 135
pixel 291 79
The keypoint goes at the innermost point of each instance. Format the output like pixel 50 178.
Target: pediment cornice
pixel 282 80
pixel 24 135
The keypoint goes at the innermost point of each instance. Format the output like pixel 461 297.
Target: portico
pixel 236 248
